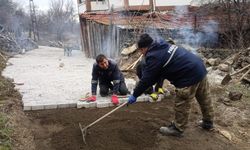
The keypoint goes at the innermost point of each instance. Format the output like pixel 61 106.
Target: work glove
pixel 131 99
pixel 89 99
pixel 114 99
pixel 160 91
pixel 154 96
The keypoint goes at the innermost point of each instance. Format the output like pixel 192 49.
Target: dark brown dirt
pixel 11 108
pixel 130 128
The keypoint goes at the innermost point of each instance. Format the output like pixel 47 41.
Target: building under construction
pixel 108 27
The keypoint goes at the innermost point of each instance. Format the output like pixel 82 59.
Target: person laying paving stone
pixel 153 92
pixel 111 80
pixel 185 71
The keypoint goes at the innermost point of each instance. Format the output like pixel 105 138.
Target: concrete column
pixel 88 5
pixel 152 4
pixel 126 4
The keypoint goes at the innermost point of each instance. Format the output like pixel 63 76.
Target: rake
pixel 84 130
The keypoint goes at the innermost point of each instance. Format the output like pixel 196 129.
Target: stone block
pixel 72 105
pixel 27 107
pixel 62 105
pixel 142 98
pixel 123 100
pixel 81 104
pixel 52 106
pixel 111 104
pixel 37 107
pixel 102 104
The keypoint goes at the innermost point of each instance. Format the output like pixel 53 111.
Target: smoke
pixel 107 45
pixel 153 32
pixel 210 30
pixel 206 35
pixel 181 11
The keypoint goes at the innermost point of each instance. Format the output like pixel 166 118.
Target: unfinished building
pixel 108 27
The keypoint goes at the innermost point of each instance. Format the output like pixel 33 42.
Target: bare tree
pixel 7 9
pixel 13 17
pixel 61 16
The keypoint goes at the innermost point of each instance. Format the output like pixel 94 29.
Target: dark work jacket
pixel 112 74
pixel 163 60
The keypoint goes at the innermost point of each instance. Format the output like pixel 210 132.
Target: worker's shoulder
pixel 95 66
pixel 112 62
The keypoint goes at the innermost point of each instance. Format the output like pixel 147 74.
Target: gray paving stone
pixel 37 107
pixel 62 105
pixel 161 97
pixel 102 104
pixel 52 106
pixel 82 104
pixel 123 100
pixel 142 98
pixel 27 107
pixel 111 104
pixel 73 105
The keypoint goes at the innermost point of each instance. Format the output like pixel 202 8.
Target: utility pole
pixel 33 32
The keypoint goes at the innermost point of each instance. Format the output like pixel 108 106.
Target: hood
pixel 158 45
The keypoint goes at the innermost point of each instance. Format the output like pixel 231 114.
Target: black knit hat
pixel 144 41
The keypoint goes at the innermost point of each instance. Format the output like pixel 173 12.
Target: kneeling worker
pixel 106 72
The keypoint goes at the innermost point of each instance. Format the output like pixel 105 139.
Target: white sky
pixel 44 4
pixel 178 2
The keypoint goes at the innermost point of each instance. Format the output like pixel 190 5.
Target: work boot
pixel 171 130
pixel 207 125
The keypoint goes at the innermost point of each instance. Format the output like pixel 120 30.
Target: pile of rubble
pixel 242 59
pixel 223 60
pixel 130 58
pixel 233 65
pixel 58 44
pixel 27 43
pixel 8 43
pixel 128 63
pixel 215 53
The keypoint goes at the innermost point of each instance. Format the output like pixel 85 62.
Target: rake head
pixel 84 133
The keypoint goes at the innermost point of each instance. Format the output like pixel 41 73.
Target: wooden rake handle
pixel 240 70
pixel 104 116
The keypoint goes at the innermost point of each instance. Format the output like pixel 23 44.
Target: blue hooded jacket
pixel 163 60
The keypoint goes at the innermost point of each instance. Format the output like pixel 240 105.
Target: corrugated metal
pixel 100 38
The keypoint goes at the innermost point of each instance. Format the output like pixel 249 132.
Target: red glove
pixel 114 99
pixel 89 99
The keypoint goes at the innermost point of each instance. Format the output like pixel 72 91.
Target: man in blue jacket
pixel 153 92
pixel 109 76
pixel 185 71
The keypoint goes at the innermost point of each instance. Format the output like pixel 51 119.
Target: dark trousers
pixel 105 87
